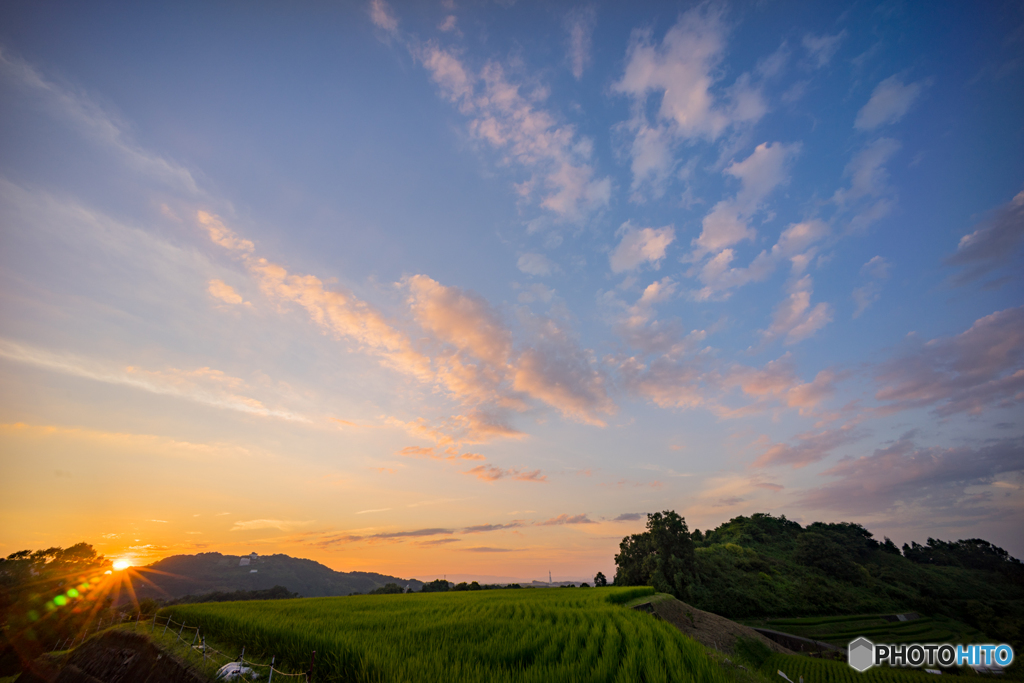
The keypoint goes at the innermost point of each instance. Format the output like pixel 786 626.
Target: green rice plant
pixel 517 636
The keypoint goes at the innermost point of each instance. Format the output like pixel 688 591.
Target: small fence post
pixel 181 629
pixel 312 661
pixel 166 624
pixel 270 678
pixel 241 657
pixel 204 649
pixel 193 644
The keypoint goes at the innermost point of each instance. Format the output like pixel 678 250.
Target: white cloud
pixel 889 102
pixel 683 71
pixel 639 246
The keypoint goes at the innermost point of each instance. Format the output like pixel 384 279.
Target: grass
pixel 509 635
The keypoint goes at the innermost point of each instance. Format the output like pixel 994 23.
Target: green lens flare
pixel 60 601
pixel 73 593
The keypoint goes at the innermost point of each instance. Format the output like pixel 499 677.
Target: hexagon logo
pixel 861 654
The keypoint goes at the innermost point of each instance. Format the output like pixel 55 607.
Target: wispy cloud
pixel 281 524
pixel 890 102
pixel 579 24
pixel 811 447
pixel 980 367
pixel 567 519
pixel 493 473
pixel 94 122
pixel 202 385
pixel 482 528
pixel 523 132
pixel 903 476
pixel 877 269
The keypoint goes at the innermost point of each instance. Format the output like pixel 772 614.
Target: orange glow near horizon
pixel 122 564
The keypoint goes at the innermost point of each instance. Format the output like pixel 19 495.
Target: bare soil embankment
pixel 706 628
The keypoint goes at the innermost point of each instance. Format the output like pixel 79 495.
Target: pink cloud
pixel 903 475
pixel 492 473
pixel 810 447
pixel 981 367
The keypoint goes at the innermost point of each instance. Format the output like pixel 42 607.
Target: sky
pixel 466 289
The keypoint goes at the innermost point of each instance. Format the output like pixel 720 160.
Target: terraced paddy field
pixel 798 667
pixel 527 635
pixel 841 630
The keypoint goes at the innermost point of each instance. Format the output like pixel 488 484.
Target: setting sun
pixel 122 564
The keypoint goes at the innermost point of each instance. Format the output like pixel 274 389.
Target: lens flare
pixel 121 565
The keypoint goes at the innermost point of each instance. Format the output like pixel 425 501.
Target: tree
pixel 599 580
pixel 387 589
pixel 661 557
pixel 48 596
pixel 436 586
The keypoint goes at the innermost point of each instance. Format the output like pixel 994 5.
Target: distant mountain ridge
pixel 180 575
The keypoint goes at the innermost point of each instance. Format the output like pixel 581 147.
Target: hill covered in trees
pixel 766 566
pixel 182 575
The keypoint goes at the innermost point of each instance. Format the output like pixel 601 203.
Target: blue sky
pixel 464 287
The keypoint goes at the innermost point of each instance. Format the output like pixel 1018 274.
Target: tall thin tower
pixel 549 576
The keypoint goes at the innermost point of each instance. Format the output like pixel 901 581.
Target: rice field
pixel 527 635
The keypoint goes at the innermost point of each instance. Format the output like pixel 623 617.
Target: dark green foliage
pixel 387 589
pixel 760 566
pixel 48 596
pixel 817 550
pixel 436 586
pixel 752 650
pixel 600 580
pixel 275 593
pixel 971 553
pixel 661 557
